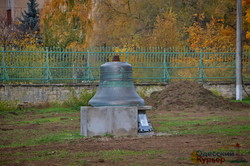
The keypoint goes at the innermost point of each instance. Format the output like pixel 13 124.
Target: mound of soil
pixel 189 96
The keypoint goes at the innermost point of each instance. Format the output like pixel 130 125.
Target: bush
pixel 75 102
pixel 7 105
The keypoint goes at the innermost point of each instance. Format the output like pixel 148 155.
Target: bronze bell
pixel 116 87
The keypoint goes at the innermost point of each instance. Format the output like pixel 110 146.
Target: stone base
pixel 117 121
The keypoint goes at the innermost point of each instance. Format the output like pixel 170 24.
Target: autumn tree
pixel 12 37
pixel 124 22
pixel 213 35
pixel 23 33
pixel 64 23
pixel 246 20
pixel 166 33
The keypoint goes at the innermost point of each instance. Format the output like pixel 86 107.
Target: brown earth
pixel 190 96
pixel 175 149
pixel 188 100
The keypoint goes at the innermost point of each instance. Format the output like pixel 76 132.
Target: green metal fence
pixel 150 65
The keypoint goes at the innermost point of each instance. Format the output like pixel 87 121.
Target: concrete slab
pixel 118 121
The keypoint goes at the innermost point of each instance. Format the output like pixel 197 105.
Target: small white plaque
pixel 143 119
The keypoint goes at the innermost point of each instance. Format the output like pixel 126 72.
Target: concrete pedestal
pixel 118 121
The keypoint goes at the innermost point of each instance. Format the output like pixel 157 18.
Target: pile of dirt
pixel 189 96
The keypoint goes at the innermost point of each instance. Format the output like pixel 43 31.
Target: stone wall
pixel 30 93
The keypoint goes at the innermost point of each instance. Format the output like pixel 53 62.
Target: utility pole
pixel 239 51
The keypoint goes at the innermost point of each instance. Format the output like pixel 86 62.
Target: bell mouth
pixel 126 103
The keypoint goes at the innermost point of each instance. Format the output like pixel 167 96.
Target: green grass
pixel 115 156
pixel 215 92
pixel 7 105
pixel 74 101
pixel 52 154
pixel 47 154
pixel 118 155
pixel 82 158
pixel 167 123
pixel 244 151
pixel 57 110
pixel 54 126
pixel 226 130
pixel 51 138
pixel 45 111
pixel 244 100
pixel 45 120
pixel 40 116
pixel 55 137
pixel 199 125
pixel 37 156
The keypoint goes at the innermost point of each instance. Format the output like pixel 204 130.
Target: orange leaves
pixel 248 35
pixel 133 23
pixel 246 6
pixel 214 34
pixel 248 15
pixel 246 2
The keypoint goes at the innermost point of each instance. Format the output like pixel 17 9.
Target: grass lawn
pixel 51 136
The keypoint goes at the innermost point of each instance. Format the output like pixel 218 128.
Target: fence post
pixel 5 76
pixel 89 75
pixel 127 55
pixel 164 66
pixel 201 67
pixel 166 76
pixel 88 68
pixel 48 76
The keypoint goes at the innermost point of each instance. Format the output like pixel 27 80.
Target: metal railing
pixel 150 65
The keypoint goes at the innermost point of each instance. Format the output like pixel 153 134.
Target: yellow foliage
pixel 246 2
pixel 248 35
pixel 11 37
pixel 65 23
pixel 213 35
pixel 246 6
pixel 165 33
